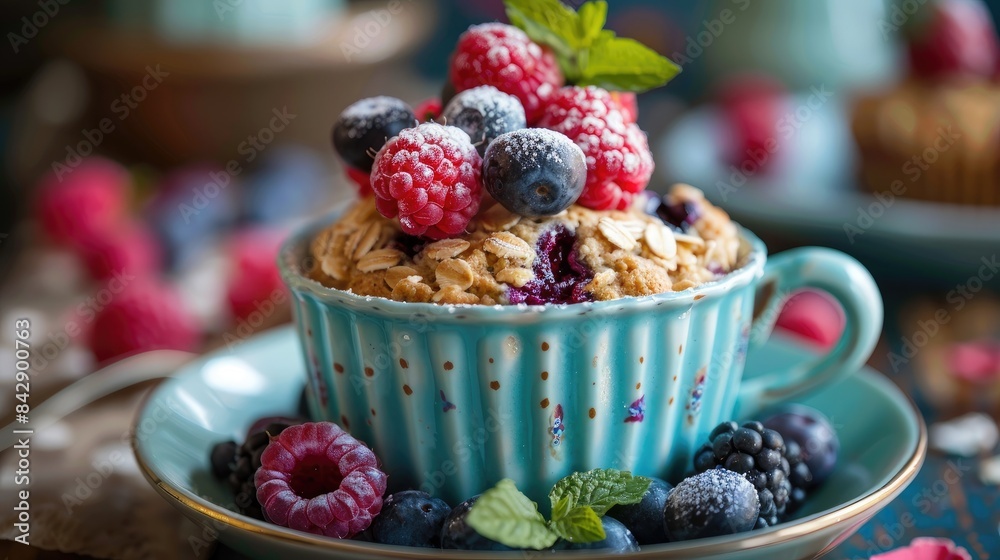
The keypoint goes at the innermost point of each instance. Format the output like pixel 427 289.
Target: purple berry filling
pixel 679 215
pixel 560 277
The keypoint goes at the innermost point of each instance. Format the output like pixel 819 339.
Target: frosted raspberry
pixel 76 203
pixel 316 478
pixel 361 180
pixel 145 315
pixel 429 177
pixel 129 248
pixel 619 163
pixel 254 277
pixel 499 55
pixel 627 103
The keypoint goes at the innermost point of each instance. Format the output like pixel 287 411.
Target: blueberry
pixel 713 503
pixel 645 519
pixel 456 533
pixel 534 172
pixel 289 184
pixel 410 518
pixel 813 433
pixel 365 126
pixel 223 456
pixel 617 538
pixel 484 113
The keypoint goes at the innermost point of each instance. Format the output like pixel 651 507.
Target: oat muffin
pixel 504 258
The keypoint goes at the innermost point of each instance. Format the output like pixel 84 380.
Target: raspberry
pixel 628 104
pixel 619 163
pixel 362 180
pixel 254 277
pixel 129 248
pixel 813 315
pixel 89 198
pixel 429 176
pixel 429 109
pixel 316 478
pixel 237 465
pixel 499 55
pixel 144 316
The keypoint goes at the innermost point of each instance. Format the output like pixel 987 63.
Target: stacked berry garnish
pixel 549 70
pixel 316 478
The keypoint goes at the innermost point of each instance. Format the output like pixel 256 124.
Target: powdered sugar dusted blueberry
pixel 534 171
pixel 484 113
pixel 365 126
pixel 713 503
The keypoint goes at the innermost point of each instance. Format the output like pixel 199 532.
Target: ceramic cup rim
pixel 751 270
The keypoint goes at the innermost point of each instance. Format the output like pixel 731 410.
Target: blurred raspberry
pixel 813 315
pixel 145 315
pixel 88 198
pixel 254 278
pixel 958 39
pixel 751 106
pixel 129 247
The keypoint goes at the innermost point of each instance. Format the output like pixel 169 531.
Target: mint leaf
pixel 549 22
pixel 587 53
pixel 579 525
pixel 560 508
pixel 600 489
pixel 591 18
pixel 617 63
pixel 507 516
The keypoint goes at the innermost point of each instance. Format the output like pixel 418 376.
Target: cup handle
pixel 850 284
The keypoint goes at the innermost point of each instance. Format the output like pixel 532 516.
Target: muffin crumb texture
pixel 503 258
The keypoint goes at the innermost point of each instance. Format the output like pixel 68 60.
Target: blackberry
pixel 763 458
pixel 246 463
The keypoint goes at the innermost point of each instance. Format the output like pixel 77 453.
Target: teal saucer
pixel 218 396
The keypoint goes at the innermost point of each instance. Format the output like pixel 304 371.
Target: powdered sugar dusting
pixel 709 494
pixel 368 113
pixel 535 145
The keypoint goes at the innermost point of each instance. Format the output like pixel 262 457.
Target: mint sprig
pixel 506 515
pixel 588 54
pixel 600 489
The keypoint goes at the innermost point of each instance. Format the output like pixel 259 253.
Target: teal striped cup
pixel 453 398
